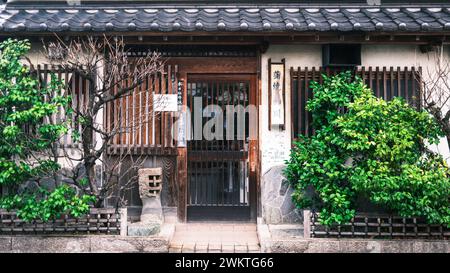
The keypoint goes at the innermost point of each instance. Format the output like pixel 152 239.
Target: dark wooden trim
pixel 254 160
pixel 253 153
pixel 263 49
pixel 182 172
pixel 269 90
pixel 291 76
pixel 215 65
pixel 182 183
pixel 242 38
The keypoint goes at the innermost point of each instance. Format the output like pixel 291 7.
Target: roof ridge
pixel 140 7
pixel 278 19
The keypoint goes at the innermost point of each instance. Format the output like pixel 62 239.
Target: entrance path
pixel 215 237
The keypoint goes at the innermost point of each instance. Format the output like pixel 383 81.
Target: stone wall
pixel 357 246
pixel 117 244
pixel 276 191
pixel 82 244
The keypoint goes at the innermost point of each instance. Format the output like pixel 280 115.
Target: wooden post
pixel 306 223
pixel 182 183
pixel 123 221
pixel 182 164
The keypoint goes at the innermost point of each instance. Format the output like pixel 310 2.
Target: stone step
pixel 211 237
pixel 286 231
pixel 214 248
pixel 199 227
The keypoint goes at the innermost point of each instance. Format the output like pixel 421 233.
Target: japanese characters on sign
pixel 276 90
pixel 165 102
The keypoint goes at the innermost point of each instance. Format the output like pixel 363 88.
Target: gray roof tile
pixel 124 19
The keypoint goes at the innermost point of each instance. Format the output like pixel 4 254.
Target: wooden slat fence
pixel 107 221
pixel 386 83
pixel 376 226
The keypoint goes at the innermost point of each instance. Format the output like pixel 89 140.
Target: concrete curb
pixel 271 243
pixel 82 244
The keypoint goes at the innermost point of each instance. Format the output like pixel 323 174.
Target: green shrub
pixel 46 205
pixel 365 146
pixel 26 138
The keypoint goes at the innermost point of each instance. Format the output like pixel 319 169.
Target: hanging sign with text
pixel 276 94
pixel 165 102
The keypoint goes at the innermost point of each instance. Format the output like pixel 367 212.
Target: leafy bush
pixel 45 205
pixel 27 136
pixel 365 146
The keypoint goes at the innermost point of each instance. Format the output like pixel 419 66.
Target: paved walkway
pixel 215 238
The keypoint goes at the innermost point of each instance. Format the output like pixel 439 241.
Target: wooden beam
pixel 273 38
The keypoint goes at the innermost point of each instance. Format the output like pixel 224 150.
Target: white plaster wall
pixel 407 55
pixel 275 145
pixel 36 55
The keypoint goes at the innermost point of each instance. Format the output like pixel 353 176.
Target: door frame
pixel 218 65
pixel 253 155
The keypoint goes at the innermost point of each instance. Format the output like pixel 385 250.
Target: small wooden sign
pixel 276 94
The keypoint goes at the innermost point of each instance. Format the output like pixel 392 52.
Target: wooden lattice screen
pixel 141 129
pixel 152 131
pixel 386 83
pixel 73 85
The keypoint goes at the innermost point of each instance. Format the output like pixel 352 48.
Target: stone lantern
pixel 150 186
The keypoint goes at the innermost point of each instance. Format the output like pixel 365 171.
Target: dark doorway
pixel 220 181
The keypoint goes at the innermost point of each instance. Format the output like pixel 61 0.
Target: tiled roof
pixel 73 19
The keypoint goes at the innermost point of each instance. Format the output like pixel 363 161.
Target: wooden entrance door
pixel 221 167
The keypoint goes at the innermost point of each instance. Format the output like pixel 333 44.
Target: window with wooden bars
pixel 73 85
pixel 386 83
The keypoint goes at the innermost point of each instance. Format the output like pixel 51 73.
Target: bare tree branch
pixel 436 92
pixel 105 64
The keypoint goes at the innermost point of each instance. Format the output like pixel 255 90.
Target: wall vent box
pixel 341 55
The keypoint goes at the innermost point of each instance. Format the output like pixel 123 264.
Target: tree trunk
pixel 89 157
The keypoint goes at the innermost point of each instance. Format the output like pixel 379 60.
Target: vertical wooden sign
pixel 276 94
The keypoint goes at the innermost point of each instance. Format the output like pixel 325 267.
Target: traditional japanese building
pixel 260 56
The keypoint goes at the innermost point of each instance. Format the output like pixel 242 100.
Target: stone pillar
pixel 123 221
pixel 150 186
pixel 307 223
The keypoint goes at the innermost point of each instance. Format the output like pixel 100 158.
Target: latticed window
pixel 386 83
pixel 73 85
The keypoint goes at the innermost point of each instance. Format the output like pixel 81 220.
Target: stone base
pixel 289 239
pixel 83 244
pixel 277 205
pixel 151 210
pixel 143 229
